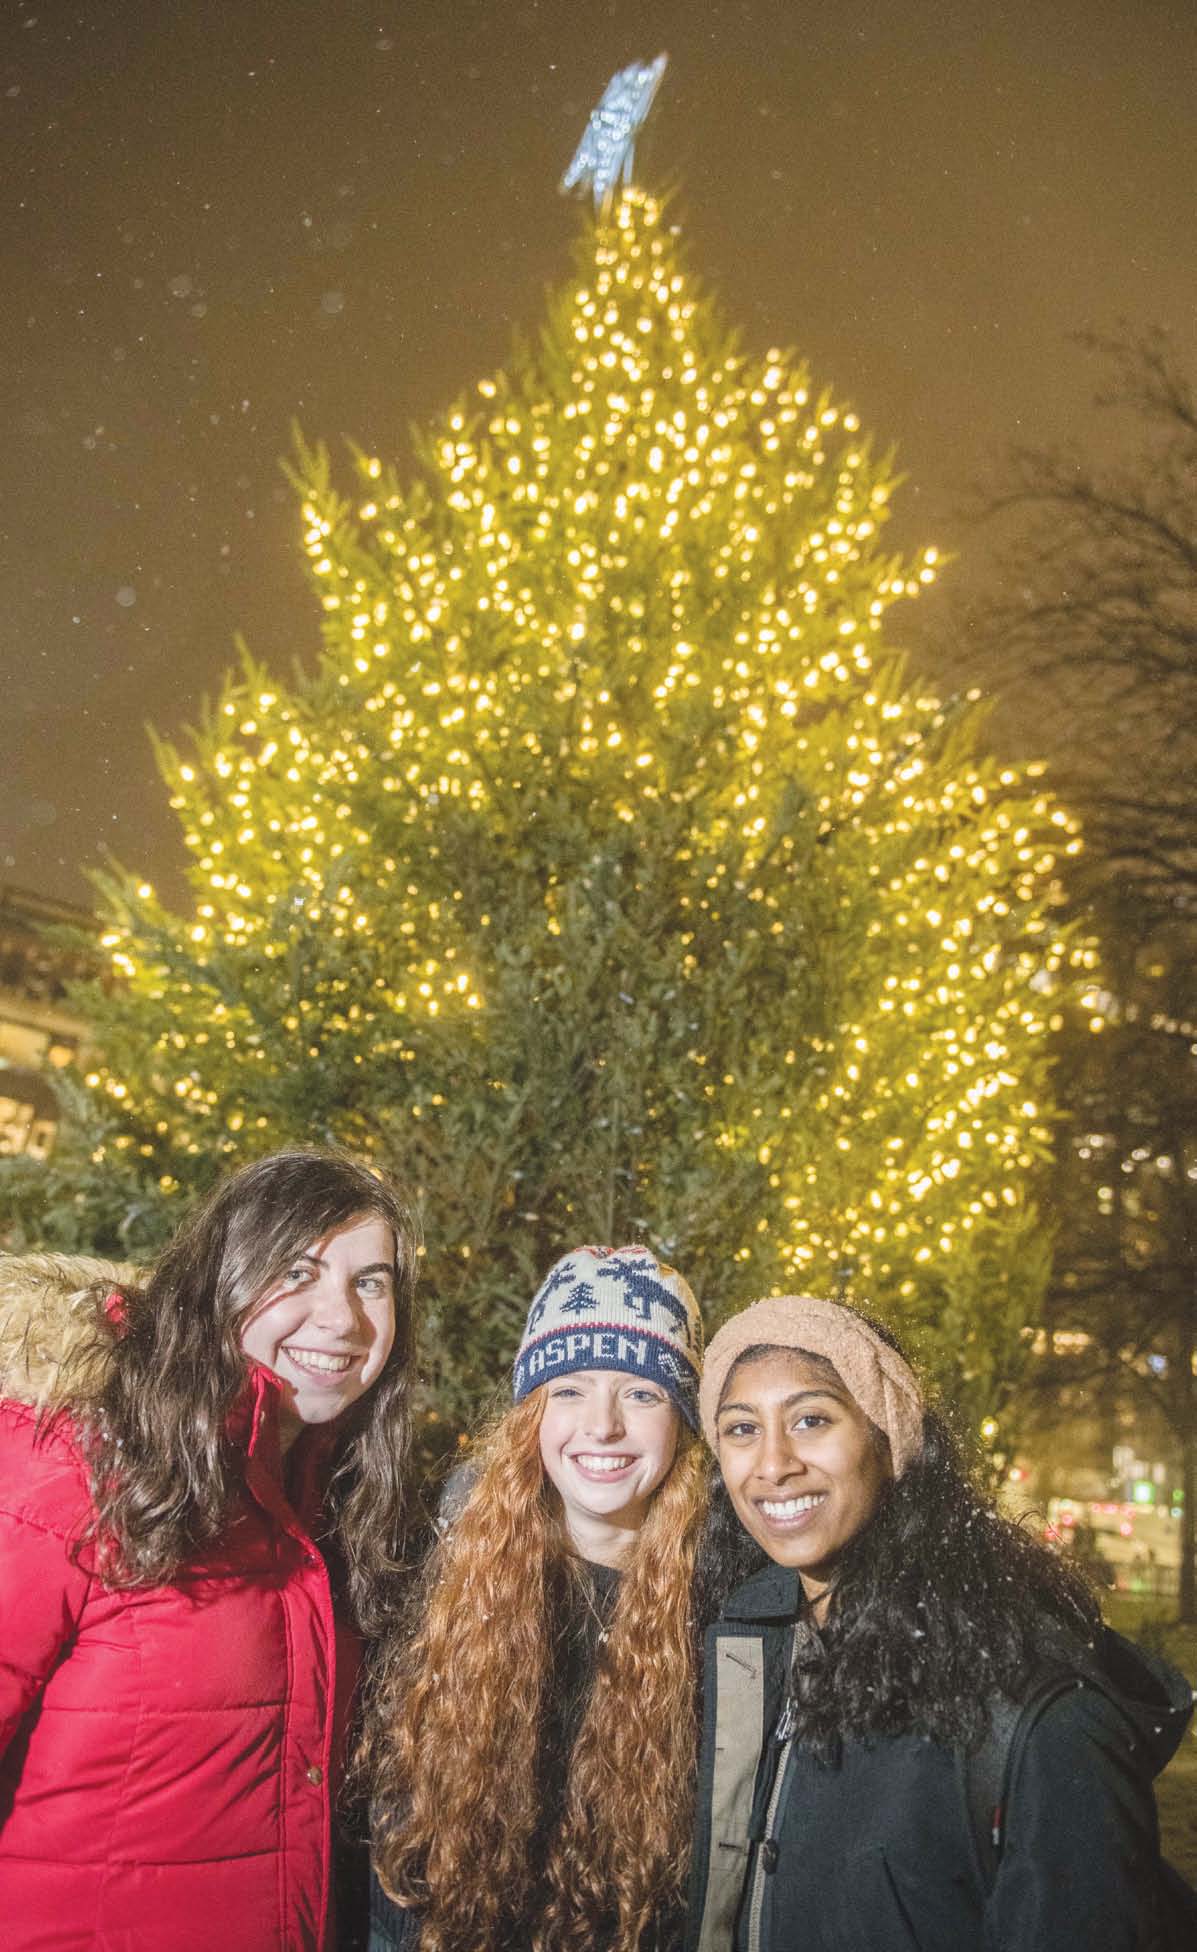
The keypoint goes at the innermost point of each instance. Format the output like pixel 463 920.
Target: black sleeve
pixel 1081 1853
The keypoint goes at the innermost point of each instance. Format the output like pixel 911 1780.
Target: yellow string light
pixel 639 597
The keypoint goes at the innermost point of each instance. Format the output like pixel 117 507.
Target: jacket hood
pixel 1153 1695
pixel 50 1353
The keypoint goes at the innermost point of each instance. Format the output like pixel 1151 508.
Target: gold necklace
pixel 582 1580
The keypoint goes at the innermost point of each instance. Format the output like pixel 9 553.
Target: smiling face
pixel 801 1462
pixel 607 1440
pixel 327 1326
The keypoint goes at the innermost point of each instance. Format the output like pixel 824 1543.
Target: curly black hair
pixel 939 1604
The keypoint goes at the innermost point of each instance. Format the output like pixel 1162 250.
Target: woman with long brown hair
pixel 202 1506
pixel 532 1745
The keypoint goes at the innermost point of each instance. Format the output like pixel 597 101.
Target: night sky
pixel 220 218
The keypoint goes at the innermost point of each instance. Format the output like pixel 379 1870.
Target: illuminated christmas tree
pixel 609 878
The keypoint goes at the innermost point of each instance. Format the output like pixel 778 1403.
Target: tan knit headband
pixel 881 1380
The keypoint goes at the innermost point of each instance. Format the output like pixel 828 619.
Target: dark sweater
pixel 581 1607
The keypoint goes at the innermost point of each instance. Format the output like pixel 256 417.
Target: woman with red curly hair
pixel 533 1742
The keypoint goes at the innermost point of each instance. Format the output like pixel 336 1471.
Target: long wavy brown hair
pixel 165 1469
pixel 453 1741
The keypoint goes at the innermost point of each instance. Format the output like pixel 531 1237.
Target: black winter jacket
pixel 877 1852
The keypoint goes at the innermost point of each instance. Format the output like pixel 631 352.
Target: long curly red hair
pixel 452 1748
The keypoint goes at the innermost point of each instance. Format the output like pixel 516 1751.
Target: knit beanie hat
pixel 614 1308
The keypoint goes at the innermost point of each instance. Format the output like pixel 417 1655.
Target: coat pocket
pixel 883 1907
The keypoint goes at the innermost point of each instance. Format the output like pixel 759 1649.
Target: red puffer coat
pixel 167 1757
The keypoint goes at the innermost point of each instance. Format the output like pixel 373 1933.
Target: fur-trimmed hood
pixel 50 1305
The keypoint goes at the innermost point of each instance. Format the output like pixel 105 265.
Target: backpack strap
pixel 983 1774
pixel 986 1772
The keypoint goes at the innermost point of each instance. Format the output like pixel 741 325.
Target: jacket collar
pixel 292 1484
pixel 253 1420
pixel 773 1593
pixel 253 1424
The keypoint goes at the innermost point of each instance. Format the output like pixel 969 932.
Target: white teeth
pixel 328 1365
pixel 597 1463
pixel 790 1507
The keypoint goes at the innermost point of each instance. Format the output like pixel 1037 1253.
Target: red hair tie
pixel 116 1308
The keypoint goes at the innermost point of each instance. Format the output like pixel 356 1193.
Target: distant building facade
pixel 37 1026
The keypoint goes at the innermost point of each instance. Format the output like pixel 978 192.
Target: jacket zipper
pixel 757 1899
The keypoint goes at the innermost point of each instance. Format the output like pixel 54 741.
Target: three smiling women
pixel 202 1510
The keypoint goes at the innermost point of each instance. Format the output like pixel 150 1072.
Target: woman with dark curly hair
pixel 202 1505
pixel 533 1741
pixel 852 1684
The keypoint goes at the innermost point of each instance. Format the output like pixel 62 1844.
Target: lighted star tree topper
pixel 606 155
